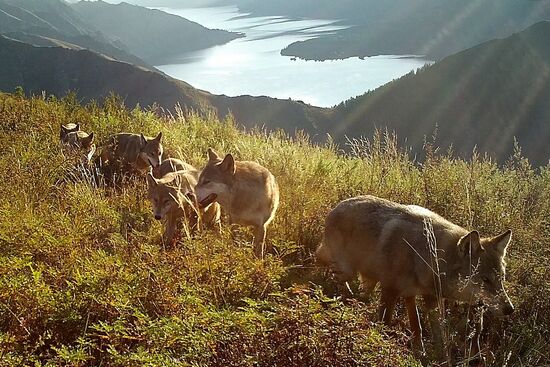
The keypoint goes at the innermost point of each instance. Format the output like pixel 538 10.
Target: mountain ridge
pixel 166 35
pixel 55 21
pixel 93 76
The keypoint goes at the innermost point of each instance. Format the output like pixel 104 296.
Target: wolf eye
pixel 485 279
pixel 205 182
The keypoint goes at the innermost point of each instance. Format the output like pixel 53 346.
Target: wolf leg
pixel 366 286
pixel 387 305
pixel 259 241
pixel 170 231
pixel 435 325
pixel 414 321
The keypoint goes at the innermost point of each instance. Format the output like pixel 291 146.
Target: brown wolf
pixel 386 242
pixel 173 199
pixel 73 140
pixel 126 153
pixel 246 191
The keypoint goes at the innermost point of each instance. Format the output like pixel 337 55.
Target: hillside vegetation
pixel 85 280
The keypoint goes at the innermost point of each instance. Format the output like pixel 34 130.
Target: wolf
pixel 173 199
pixel 73 140
pixel 127 153
pixel 246 191
pixel 386 242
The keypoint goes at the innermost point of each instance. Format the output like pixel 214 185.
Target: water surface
pixel 253 64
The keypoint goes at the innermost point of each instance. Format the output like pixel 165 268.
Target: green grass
pixel 85 280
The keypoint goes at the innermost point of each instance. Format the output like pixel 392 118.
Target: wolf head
pixel 215 179
pixel 479 272
pixel 169 192
pixel 66 129
pixel 74 140
pixel 151 150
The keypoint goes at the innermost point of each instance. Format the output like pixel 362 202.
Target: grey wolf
pixel 127 153
pixel 246 191
pixel 173 200
pixel 383 241
pixel 73 140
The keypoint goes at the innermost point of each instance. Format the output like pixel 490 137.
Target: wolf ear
pixel 469 244
pixel 228 164
pixel 212 155
pixel 159 137
pixel 143 141
pixel 64 131
pixel 151 180
pixel 87 141
pixel 502 241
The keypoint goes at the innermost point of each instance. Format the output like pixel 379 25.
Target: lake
pixel 253 64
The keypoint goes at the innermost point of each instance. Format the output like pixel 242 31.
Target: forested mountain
pixel 484 96
pixel 153 35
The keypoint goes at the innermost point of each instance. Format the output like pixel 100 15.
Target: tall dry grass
pixel 85 281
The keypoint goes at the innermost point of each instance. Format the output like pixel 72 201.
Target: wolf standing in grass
pixel 246 191
pixel 75 140
pixel 386 242
pixel 173 200
pixel 127 153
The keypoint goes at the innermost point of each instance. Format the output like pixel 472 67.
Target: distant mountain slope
pixel 484 96
pixel 56 22
pixel 150 34
pixel 58 70
pixel 436 28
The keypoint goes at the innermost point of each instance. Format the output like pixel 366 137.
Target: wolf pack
pixel 408 250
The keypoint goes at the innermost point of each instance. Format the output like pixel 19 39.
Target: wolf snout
pixel 154 163
pixel 158 217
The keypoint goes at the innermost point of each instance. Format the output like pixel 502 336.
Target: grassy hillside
pixel 153 35
pixel 84 279
pixel 485 96
pixel 54 22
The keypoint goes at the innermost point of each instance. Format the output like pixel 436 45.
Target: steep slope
pixel 92 76
pixel 56 21
pixel 484 96
pixel 150 34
